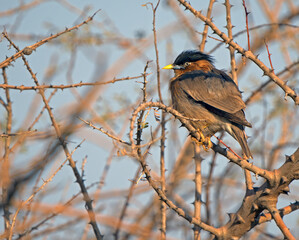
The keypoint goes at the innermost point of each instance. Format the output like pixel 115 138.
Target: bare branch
pixel 29 49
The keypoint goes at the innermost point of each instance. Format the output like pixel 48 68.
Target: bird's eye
pixel 186 64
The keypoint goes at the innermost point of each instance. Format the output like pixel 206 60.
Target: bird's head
pixel 191 60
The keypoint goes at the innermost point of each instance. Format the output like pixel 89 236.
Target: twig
pixel 5 135
pixel 138 172
pixel 162 142
pixel 230 35
pixel 174 207
pixel 126 204
pixel 105 132
pixel 117 138
pixel 5 166
pixel 229 148
pixel 156 49
pixel 216 39
pixel 247 28
pixel 265 84
pixel 198 190
pixel 56 213
pixel 279 222
pixel 282 211
pixel 29 199
pixel 75 85
pixel 22 7
pixel 251 29
pixel 269 55
pixel 206 28
pixel 208 185
pixel 60 136
pixel 23 137
pixel 248 182
pixel 29 49
pixel 217 196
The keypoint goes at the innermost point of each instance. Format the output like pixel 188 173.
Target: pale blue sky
pixel 125 18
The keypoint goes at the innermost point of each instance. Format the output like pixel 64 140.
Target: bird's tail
pixel 240 136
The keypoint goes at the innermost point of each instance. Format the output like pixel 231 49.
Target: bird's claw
pixel 204 141
pixel 207 144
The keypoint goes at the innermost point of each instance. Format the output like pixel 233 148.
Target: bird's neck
pixel 203 65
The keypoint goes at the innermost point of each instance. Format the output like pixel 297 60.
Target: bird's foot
pixel 204 141
pixel 207 144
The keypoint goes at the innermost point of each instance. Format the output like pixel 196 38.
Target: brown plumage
pixel 201 91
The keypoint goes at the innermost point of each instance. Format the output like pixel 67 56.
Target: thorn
pixel 286 190
pixel 292 158
pixel 267 191
pixel 239 219
pixel 255 206
pixel 231 215
pixel 283 179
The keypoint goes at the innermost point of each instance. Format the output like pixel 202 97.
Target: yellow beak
pixel 170 66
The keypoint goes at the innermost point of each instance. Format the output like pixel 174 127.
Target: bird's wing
pixel 213 88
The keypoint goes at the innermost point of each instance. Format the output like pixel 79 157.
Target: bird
pixel 201 91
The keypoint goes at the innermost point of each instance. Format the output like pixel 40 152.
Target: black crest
pixel 192 56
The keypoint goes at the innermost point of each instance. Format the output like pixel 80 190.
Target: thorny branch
pixel 75 85
pixel 259 203
pixel 62 141
pixel 247 25
pixel 206 28
pixel 38 190
pixel 255 200
pixel 29 49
